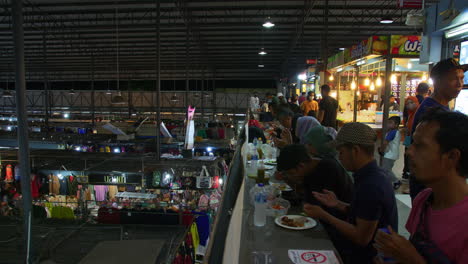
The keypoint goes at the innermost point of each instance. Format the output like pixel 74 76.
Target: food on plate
pixel 278 207
pixel 298 222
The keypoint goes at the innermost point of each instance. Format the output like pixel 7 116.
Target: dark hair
pixel 423 88
pixel 368 149
pixel 303 93
pixel 284 112
pixel 291 155
pixel 443 67
pixel 452 134
pixel 395 119
pixel 325 88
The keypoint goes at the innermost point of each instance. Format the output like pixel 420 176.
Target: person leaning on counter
pixel 373 204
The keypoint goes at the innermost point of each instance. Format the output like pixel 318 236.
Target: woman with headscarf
pixel 303 125
pixel 329 176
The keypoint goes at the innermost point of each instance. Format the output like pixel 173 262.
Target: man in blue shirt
pixel 447 76
pixel 373 205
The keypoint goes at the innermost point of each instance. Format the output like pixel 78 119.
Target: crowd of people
pixel 338 177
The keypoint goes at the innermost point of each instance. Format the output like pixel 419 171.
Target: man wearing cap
pixel 373 205
pixel 447 76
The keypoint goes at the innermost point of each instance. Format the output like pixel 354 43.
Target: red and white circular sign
pixel 313 257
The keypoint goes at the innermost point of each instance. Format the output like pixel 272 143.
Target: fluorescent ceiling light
pixel 7 94
pixel 261 66
pixel 342 48
pixel 262 52
pixel 386 20
pixel 457 31
pixel 339 69
pixel 268 23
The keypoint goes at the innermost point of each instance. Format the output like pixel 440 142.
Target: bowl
pixel 278 207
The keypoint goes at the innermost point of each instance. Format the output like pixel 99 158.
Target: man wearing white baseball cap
pixel 373 205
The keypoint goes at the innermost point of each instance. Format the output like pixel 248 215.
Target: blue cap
pixel 261 185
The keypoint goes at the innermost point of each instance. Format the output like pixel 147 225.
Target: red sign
pixel 312 61
pixel 416 4
pixel 313 257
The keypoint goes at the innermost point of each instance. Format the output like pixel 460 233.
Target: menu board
pixel 461 103
pixel 464 58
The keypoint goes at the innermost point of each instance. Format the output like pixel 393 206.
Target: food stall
pixel 357 76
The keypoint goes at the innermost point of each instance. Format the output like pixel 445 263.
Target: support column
pixel 46 83
pixel 338 88
pixel 158 80
pixel 214 95
pixel 23 141
pixel 93 103
pixel 355 95
pixel 187 63
pixel 203 94
pixel 403 91
pixel 387 91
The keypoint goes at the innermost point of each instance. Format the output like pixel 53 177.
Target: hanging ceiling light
pixel 393 78
pixel 261 66
pixel 386 20
pixel 367 81
pixel 7 94
pixel 71 92
pixel 424 77
pixel 331 77
pixel 372 86
pixel 268 23
pixel 108 92
pixel 118 99
pixel 378 82
pixel 353 85
pixel 262 52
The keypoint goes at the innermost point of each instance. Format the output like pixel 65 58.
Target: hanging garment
pixel 203 226
pixel 203 202
pixel 17 173
pixel 54 184
pixel 35 185
pixel 9 173
pixel 44 184
pixel 72 185
pixel 195 235
pixel 63 189
pixel 113 191
pixel 101 192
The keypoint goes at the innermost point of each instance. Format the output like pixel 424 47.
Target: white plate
pixel 310 223
pixel 269 167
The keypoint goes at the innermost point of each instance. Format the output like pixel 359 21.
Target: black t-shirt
pixel 374 200
pixel 330 106
pixel 295 108
pixel 330 175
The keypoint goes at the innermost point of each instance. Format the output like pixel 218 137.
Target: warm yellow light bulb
pixel 424 77
pixel 372 86
pixel 393 79
pixel 331 77
pixel 358 93
pixel 353 85
pixel 367 81
pixel 378 82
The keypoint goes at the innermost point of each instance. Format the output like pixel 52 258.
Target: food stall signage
pixel 106 179
pixel 406 45
pixel 311 61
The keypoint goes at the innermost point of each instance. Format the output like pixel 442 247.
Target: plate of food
pixel 295 222
pixel 282 187
pixel 270 162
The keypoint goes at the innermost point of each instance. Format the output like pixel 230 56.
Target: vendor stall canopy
pixel 67 39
